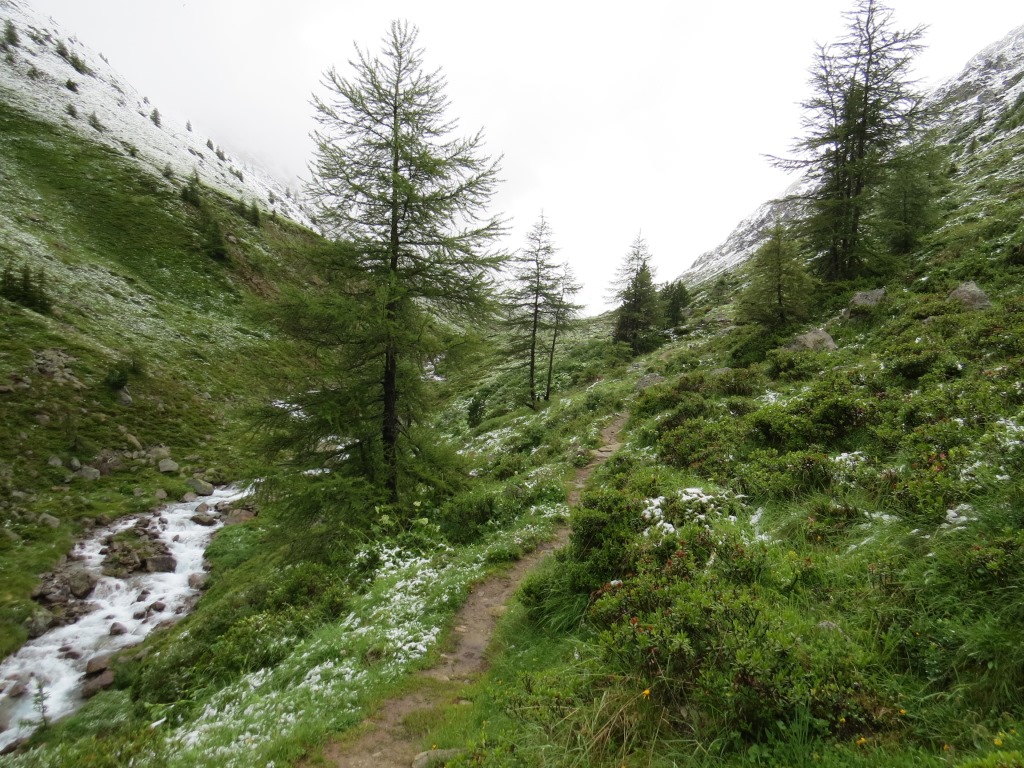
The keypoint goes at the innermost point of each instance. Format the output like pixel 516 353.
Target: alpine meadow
pixel 343 473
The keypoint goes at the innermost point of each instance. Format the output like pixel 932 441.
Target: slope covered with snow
pixel 50 74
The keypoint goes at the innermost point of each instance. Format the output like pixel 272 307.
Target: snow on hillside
pixel 990 84
pixel 970 106
pixel 54 76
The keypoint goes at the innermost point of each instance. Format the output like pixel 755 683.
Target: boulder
pixel 649 380
pixel 160 494
pixel 124 398
pixel 97 664
pixel 49 520
pixel 971 296
pixel 55 461
pixel 96 684
pixel 158 607
pixel 200 486
pixel 88 473
pixel 867 298
pixel 189 497
pixel 201 519
pixel 40 621
pixel 168 465
pixel 117 628
pixel 159 452
pixel 81 582
pixel 198 581
pixel 812 341
pixel 160 564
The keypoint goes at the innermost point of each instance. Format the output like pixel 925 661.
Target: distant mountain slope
pixel 52 75
pixel 985 99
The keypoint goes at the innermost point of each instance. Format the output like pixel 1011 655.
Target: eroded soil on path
pixel 385 742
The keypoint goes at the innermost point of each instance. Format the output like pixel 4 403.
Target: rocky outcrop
pixel 970 296
pixel 812 341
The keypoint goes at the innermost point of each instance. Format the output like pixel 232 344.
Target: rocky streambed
pixel 113 589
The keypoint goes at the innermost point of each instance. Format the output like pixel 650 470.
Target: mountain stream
pixel 47 675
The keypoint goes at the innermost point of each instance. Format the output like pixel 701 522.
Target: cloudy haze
pixel 612 118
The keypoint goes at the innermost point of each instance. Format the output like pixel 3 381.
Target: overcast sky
pixel 614 118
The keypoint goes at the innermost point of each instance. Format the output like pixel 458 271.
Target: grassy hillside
pixel 813 559
pixel 148 342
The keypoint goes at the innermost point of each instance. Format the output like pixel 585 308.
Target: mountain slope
pixel 985 100
pixel 53 76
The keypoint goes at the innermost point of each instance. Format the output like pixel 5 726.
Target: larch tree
pixel 562 312
pixel 863 107
pixel 407 199
pixel 529 300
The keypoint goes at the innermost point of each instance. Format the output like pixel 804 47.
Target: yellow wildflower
pixel 997 741
pixel 647 693
pixel 861 741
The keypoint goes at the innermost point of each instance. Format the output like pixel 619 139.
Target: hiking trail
pixel 385 742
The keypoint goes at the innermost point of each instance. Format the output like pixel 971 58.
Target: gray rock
pixel 200 486
pixel 435 757
pixel 159 606
pixel 88 473
pixel 75 464
pixel 117 628
pixel 813 341
pixel 160 564
pixel 133 441
pixel 971 296
pixel 201 519
pixel 18 690
pixel 167 465
pixel 198 580
pixel 55 461
pixel 160 494
pixel 81 582
pixel 97 664
pixel 49 520
pixel 867 298
pixel 649 380
pixel 40 621
pixel 189 497
pixel 124 398
pixel 96 684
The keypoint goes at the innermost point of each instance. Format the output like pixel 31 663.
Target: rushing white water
pixel 53 665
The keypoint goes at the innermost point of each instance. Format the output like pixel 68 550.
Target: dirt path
pixel 386 743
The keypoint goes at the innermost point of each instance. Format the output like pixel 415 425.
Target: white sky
pixel 614 118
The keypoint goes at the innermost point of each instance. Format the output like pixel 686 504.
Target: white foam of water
pixel 48 661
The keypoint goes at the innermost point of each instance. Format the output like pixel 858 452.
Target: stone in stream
pixel 200 519
pixel 160 564
pixel 198 580
pixel 200 486
pixel 158 607
pixel 81 583
pixel 97 664
pixel 96 684
pixel 117 628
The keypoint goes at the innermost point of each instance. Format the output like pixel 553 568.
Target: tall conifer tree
pixel 406 199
